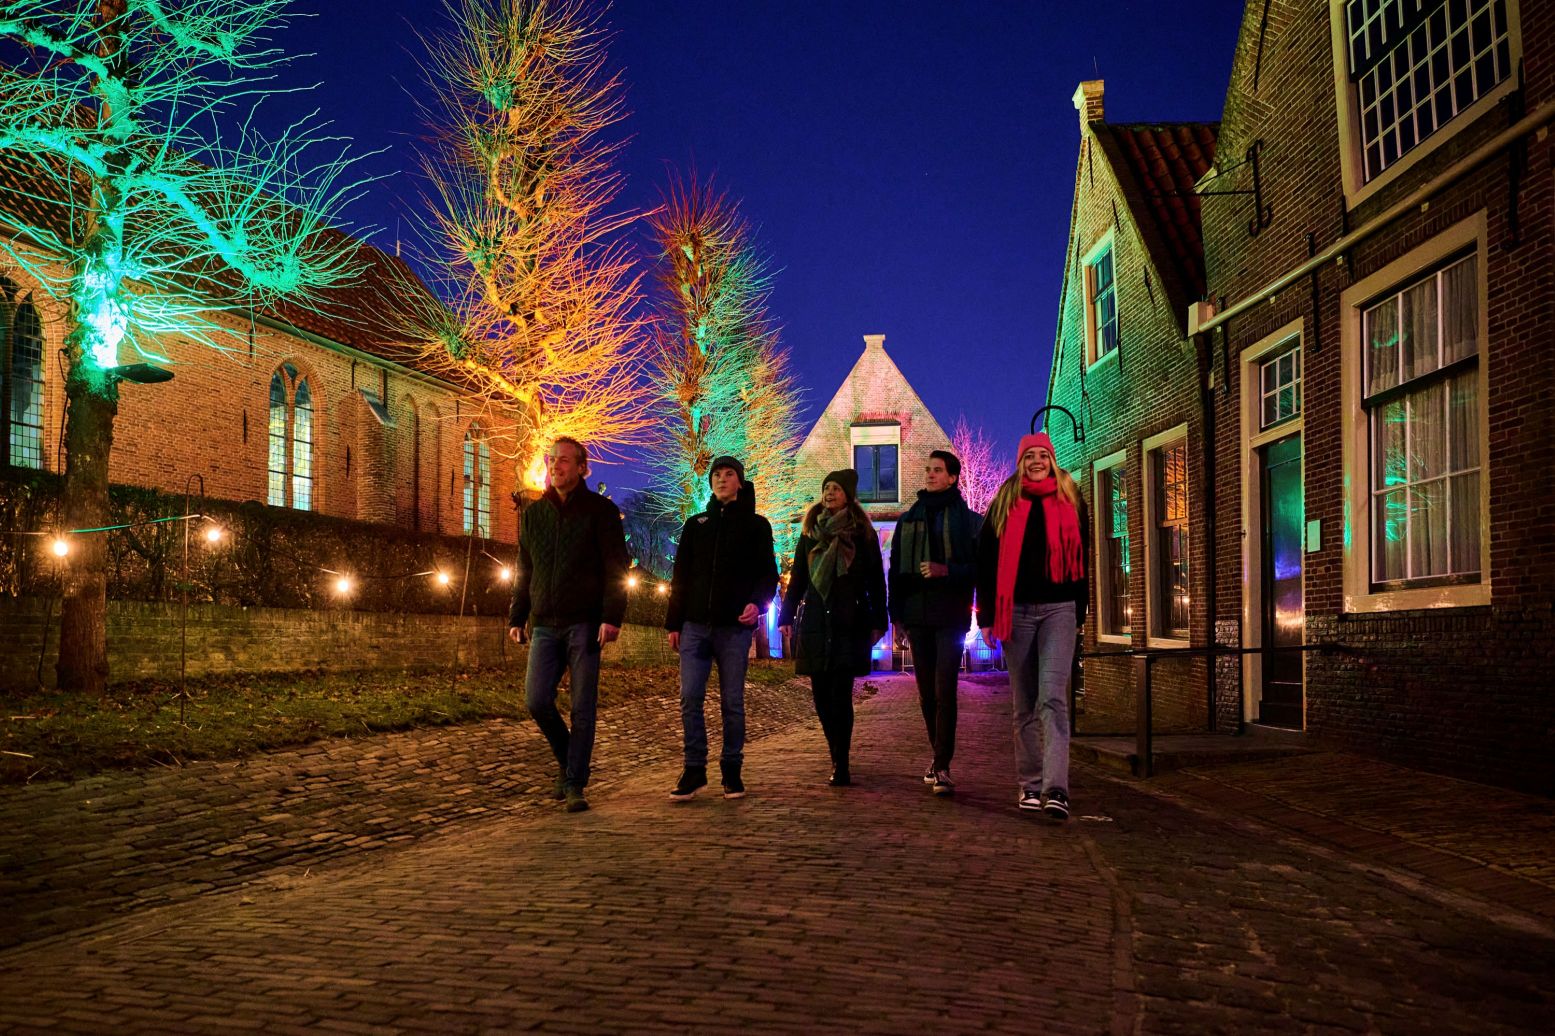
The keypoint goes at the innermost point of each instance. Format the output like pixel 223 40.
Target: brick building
pixel 1376 293
pixel 1124 370
pixel 318 410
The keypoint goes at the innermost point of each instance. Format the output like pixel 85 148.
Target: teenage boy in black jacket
pixel 933 573
pixel 571 581
pixel 725 576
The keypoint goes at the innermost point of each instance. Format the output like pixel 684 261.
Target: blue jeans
pixel 700 646
pixel 576 649
pixel 1039 651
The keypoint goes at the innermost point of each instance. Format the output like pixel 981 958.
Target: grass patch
pixel 49 735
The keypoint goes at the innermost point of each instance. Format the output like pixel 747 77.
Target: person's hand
pixel 786 630
pixel 607 633
pixel 517 635
pixel 749 616
pixel 933 570
pixel 987 632
pixel 674 641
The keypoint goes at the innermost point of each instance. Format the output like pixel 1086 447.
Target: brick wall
pixel 144 641
pixel 1465 690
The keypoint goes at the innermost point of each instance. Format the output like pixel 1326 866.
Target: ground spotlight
pixel 59 546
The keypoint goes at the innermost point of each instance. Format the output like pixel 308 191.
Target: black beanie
pixel 847 478
pixel 726 462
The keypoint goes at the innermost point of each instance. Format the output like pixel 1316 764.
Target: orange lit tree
pixel 539 284
pixel 718 366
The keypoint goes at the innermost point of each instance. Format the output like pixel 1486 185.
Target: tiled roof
pixel 1157 165
pixel 361 314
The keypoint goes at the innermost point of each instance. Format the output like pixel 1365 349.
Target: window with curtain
pixel 21 352
pixel 290 453
pixel 1169 473
pixel 1422 406
pixel 1117 610
pixel 477 482
pixel 1417 64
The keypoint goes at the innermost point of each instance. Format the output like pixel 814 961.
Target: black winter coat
pixel 723 562
pixel 921 535
pixel 571 562
pixel 833 636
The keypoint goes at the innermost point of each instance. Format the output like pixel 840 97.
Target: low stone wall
pixel 143 641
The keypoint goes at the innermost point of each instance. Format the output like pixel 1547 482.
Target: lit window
pixel 21 353
pixel 1279 388
pixel 1421 395
pixel 477 482
pixel 291 421
pixel 1116 609
pixel 1416 64
pixel 1169 473
pixel 1101 304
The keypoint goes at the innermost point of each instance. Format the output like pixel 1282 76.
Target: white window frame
pixel 878 435
pixel 1088 282
pixel 1358 593
pixel 1254 438
pixel 1101 521
pixel 1153 604
pixel 1351 158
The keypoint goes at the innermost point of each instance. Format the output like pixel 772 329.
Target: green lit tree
pixel 720 370
pixel 155 208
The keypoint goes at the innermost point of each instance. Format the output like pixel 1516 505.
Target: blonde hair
pixel 1009 492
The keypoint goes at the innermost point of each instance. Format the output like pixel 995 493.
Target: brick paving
pixel 802 909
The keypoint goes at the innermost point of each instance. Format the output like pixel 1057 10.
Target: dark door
pixel 1284 522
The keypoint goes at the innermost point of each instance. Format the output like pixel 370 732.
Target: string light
pixel 59 546
pixel 631 581
pixel 442 578
pixel 663 589
pixel 505 574
pixel 214 533
pixel 343 585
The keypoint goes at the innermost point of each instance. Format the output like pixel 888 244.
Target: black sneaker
pixel 559 792
pixel 734 788
pixel 943 785
pixel 691 778
pixel 1031 800
pixel 928 775
pixel 576 803
pixel 1056 804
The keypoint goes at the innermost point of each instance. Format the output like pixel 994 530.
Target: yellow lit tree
pixel 539 284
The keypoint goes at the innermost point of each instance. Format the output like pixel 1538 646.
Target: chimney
pixel 874 342
pixel 1087 101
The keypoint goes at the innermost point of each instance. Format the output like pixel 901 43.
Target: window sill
pixel 1467 596
pixel 1125 639
pixel 1168 642
pixel 1111 357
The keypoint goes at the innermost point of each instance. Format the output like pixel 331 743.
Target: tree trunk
pixel 83 633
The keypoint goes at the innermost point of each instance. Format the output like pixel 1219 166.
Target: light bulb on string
pixel 59 546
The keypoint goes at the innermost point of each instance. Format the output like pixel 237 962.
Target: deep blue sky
pixel 909 163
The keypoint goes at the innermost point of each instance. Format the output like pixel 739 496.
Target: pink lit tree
pixel 982 470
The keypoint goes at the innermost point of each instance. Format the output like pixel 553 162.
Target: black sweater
pixel 1032 585
pixel 571 562
pixel 723 562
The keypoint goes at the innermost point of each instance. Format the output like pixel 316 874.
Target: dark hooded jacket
pixel 571 562
pixel 723 562
pixel 941 528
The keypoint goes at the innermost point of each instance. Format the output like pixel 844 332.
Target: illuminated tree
pixel 155 208
pixel 650 537
pixel 539 286
pixel 718 366
pixel 982 470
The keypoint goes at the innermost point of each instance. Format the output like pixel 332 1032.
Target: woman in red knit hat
pixel 1031 594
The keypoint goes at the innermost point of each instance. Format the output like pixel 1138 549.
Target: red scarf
pixel 1065 562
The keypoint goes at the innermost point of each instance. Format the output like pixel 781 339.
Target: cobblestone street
pixel 427 885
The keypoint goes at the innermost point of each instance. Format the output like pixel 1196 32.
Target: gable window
pixel 1420 387
pixel 1169 546
pixel 1414 65
pixel 876 446
pixel 290 440
pixel 21 387
pixel 1101 301
pixel 477 482
pixel 1115 609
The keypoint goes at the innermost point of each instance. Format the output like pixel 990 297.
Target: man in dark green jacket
pixel 571 584
pixel 933 574
pixel 725 576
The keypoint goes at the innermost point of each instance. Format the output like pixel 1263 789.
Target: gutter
pixel 355 353
pixel 1534 120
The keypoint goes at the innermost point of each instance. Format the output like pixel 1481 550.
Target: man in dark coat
pixel 571 584
pixel 933 574
pixel 725 576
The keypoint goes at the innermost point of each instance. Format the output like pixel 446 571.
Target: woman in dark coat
pixel 836 599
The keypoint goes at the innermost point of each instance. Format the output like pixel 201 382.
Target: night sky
pixel 909 164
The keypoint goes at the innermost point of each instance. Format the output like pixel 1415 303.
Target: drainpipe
pixel 1203 349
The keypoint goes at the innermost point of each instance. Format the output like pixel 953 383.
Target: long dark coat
pixel 833 636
